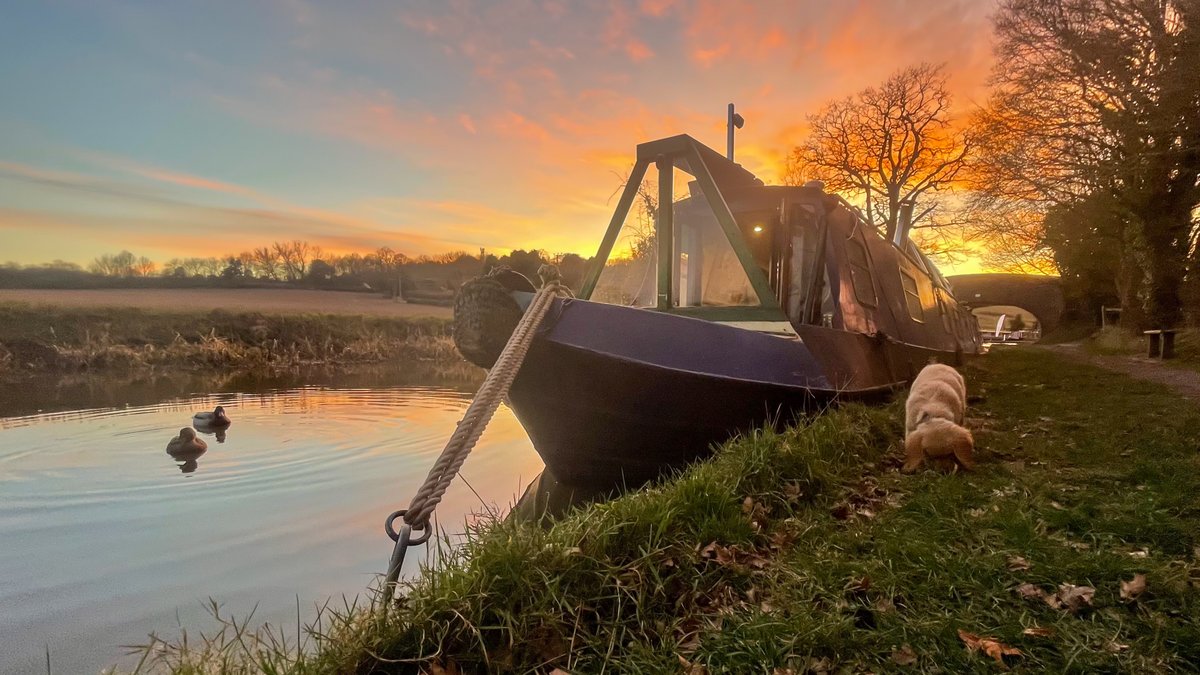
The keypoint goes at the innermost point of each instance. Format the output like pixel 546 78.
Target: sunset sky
pixel 192 129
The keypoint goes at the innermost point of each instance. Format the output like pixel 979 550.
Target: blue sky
pixel 174 129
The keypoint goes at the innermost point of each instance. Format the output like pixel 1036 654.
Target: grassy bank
pixel 43 338
pixel 807 551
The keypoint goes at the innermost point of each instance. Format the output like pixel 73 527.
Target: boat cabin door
pixel 802 282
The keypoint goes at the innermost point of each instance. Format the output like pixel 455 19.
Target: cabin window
pixel 630 275
pixel 860 272
pixel 941 303
pixel 912 296
pixel 708 273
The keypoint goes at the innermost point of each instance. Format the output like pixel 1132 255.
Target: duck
pixel 186 444
pixel 214 419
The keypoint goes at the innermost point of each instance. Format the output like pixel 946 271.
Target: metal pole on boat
pixel 905 225
pixel 733 121
pixel 664 235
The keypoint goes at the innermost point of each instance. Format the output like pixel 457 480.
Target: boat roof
pixel 727 174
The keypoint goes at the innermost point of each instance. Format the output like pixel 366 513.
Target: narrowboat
pixel 715 304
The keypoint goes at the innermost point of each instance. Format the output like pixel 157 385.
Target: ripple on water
pixel 105 537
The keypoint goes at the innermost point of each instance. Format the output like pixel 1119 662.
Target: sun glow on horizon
pixel 426 130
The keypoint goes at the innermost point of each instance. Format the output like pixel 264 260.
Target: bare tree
pixel 885 144
pixel 266 262
pixel 143 267
pixel 121 264
pixel 293 258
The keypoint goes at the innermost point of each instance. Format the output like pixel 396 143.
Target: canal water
pixel 104 538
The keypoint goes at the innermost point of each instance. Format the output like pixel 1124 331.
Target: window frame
pixel 866 270
pixel 913 294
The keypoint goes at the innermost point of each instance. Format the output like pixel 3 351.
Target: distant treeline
pixel 294 263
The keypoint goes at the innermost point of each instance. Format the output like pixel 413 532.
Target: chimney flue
pixel 904 222
pixel 734 121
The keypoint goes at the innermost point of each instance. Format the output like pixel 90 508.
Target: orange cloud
pixel 638 51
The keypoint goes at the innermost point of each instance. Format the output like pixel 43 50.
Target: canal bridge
pixel 1041 295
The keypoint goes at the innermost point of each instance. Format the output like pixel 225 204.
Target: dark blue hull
pixel 615 396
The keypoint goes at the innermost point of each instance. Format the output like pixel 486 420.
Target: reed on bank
pixel 55 339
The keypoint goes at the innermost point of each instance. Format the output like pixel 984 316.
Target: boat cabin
pixel 774 259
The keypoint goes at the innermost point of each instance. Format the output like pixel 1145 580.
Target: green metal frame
pixel 716 202
pixel 668 153
pixel 614 227
pixel 664 230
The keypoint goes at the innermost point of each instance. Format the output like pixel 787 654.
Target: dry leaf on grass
pixel 990 646
pixel 733 556
pixel 1016 563
pixel 1072 598
pixel 692 668
pixel 1130 590
pixel 1116 647
pixel 905 656
pixel 1030 592
pixel 448 668
pixel 560 671
pixel 1038 631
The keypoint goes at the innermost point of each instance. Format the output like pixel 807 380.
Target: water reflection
pixel 290 503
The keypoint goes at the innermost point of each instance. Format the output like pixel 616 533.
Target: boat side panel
pixel 600 420
pixel 686 344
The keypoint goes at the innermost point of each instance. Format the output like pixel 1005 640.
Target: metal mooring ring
pixel 390 527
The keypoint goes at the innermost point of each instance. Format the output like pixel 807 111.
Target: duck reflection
pixel 186 448
pixel 218 434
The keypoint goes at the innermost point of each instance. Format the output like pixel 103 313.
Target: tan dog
pixel 933 418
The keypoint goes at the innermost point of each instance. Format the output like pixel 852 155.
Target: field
pixel 263 300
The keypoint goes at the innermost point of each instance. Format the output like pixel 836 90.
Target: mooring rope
pixel 493 390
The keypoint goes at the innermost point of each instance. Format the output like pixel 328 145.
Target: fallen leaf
pixel 692 668
pixel 885 605
pixel 1016 563
pixel 1045 419
pixel 990 646
pixel 1030 592
pixel 1038 631
pixel 560 671
pixel 905 656
pixel 859 586
pixel 792 491
pixel 1116 647
pixel 733 555
pixel 748 505
pixel 1072 598
pixel 1130 590
pixel 821 665
pixel 449 668
pixel 766 607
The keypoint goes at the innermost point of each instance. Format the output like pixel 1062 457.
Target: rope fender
pixel 493 390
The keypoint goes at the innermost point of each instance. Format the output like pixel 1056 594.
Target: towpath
pixel 1181 380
